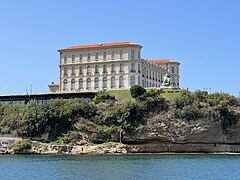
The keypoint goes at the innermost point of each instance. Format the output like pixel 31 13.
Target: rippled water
pixel 149 166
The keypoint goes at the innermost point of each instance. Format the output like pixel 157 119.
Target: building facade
pixel 111 66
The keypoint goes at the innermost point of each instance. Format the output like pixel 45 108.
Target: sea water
pixel 141 166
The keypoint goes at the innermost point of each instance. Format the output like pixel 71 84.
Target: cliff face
pixel 164 134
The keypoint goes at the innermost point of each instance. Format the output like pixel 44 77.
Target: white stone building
pixel 111 66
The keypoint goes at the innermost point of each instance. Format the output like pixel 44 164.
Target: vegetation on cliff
pixel 100 120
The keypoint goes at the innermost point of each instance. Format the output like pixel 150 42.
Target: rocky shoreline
pixel 52 149
pixel 119 148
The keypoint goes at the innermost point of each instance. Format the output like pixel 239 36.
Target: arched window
pixel 73 85
pixel 113 68
pixel 65 85
pixel 113 55
pixel 121 54
pixel 113 83
pixel 88 83
pixel 73 71
pixel 96 83
pixel 153 85
pixel 121 82
pixel 96 69
pixel 89 70
pixel 132 68
pixel 80 70
pixel 104 68
pixel 65 71
pixel 73 58
pixel 65 59
pixel 104 83
pixel 150 85
pixel 132 54
pixel 147 84
pixel 80 83
pixel 132 81
pixel 139 81
pixel 88 56
pixel 121 68
pixel 104 55
pixel 80 57
pixel 96 56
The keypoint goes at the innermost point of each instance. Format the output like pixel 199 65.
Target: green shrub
pixel 21 146
pixel 103 96
pixel 137 91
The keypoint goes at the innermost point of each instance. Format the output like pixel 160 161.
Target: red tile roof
pixel 100 45
pixel 163 61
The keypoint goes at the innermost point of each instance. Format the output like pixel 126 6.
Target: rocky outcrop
pixel 164 134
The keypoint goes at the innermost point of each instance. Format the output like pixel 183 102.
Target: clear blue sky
pixel 203 35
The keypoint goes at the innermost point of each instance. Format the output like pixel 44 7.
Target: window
pixel 121 68
pixel 132 81
pixel 73 85
pixel 121 54
pixel 80 57
pixel 65 58
pixel 173 81
pixel 121 82
pixel 80 83
pixel 113 68
pixel 88 83
pixel 104 55
pixel 104 83
pixel 132 55
pixel 143 83
pixel 113 55
pixel 89 70
pixel 96 56
pixel 73 71
pixel 73 59
pixel 96 69
pixel 139 55
pixel 113 83
pixel 65 71
pixel 150 85
pixel 132 68
pixel 139 68
pixel 65 85
pixel 96 86
pixel 104 68
pixel 88 56
pixel 80 70
pixel 173 70
pixel 147 84
pixel 139 83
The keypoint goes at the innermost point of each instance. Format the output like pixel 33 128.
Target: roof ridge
pixel 100 45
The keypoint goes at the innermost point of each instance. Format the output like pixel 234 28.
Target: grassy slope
pixel 123 95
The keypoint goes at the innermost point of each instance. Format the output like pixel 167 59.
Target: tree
pixel 137 91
